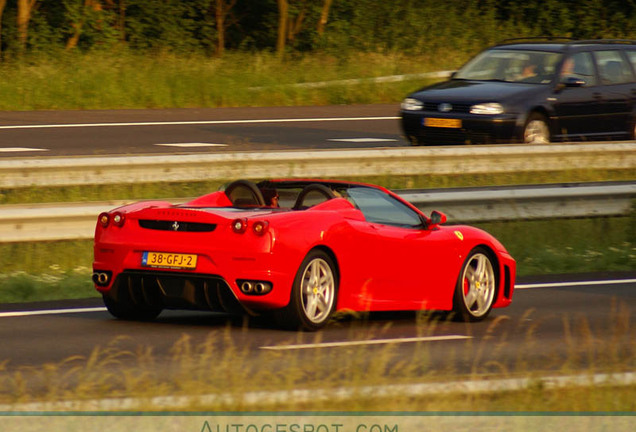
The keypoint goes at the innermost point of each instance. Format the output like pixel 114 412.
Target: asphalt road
pixel 126 132
pixel 573 322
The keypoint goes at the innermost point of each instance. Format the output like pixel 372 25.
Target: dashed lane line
pixel 365 342
pixel 362 140
pixel 191 145
pixel 21 149
pixel 574 284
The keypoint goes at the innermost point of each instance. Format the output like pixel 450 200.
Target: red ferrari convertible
pixel 300 249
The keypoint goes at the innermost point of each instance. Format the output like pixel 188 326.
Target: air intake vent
pixel 164 225
pixel 454 107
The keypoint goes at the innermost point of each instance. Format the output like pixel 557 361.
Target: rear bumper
pixel 174 291
pixel 217 275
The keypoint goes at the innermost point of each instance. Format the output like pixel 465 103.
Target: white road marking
pixel 580 283
pixel 51 312
pixel 362 140
pixel 196 122
pixel 188 145
pixel 20 149
pixel 366 342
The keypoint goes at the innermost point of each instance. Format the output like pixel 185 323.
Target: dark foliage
pixel 417 26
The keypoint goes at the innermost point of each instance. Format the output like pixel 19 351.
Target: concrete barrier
pixel 16 173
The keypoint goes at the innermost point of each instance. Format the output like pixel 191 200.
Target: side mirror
pixel 437 218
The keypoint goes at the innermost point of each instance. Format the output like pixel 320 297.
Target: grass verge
pixel 117 80
pixel 217 373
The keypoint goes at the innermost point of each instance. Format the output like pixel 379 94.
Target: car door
pixel 405 260
pixel 577 101
pixel 618 86
pixel 411 262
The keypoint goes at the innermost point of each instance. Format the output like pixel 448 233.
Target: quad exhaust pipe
pixel 254 287
pixel 247 287
pixel 101 278
pixel 259 288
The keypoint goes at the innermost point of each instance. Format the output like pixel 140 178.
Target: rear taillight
pixel 103 219
pixel 260 227
pixel 239 226
pixel 118 219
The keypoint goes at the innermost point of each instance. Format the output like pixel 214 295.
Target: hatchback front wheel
pixel 536 130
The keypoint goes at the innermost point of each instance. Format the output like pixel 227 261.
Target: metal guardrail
pixel 16 173
pixel 566 200
pixel 356 81
pixel 43 222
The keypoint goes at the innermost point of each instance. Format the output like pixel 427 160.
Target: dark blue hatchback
pixel 531 92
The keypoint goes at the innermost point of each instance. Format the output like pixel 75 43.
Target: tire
pixel 413 141
pixel 313 295
pixel 536 130
pixel 476 287
pixel 130 312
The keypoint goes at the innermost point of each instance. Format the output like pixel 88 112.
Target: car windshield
pixel 535 67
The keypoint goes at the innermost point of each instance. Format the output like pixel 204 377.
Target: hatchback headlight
pixel 487 108
pixel 410 104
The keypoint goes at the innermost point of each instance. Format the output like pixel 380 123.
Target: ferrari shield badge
pixel 459 235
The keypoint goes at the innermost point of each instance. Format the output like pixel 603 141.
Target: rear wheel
pixel 313 295
pixel 536 130
pixel 412 139
pixel 132 312
pixel 476 286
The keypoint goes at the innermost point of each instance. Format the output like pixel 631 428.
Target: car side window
pixel 580 65
pixel 378 207
pixel 613 68
pixel 631 54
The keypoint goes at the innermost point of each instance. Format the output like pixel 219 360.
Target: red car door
pixel 415 265
pixel 406 264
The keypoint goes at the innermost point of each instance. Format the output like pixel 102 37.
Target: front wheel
pixel 536 130
pixel 476 286
pixel 313 295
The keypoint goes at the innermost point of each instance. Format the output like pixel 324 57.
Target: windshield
pixel 535 67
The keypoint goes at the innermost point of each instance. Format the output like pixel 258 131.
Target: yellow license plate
pixel 169 260
pixel 442 122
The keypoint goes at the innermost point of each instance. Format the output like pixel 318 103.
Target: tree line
pixel 212 27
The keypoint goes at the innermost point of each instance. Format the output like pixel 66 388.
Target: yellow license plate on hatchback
pixel 169 260
pixel 442 122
